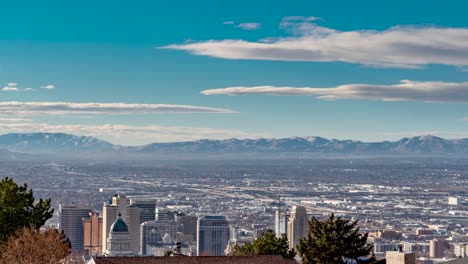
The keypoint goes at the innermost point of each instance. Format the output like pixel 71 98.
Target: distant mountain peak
pixel 61 143
pixel 51 143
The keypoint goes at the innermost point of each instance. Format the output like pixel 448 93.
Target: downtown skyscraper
pixel 212 235
pixel 297 225
pixel 71 223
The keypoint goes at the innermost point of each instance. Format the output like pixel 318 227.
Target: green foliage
pixel 266 244
pixel 18 210
pixel 331 240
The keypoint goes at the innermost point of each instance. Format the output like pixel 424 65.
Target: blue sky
pixel 133 72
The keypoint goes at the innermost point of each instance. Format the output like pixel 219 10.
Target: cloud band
pixel 67 108
pixel 404 91
pixel 399 46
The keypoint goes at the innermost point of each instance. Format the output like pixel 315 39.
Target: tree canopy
pixel 18 209
pixel 30 245
pixel 267 244
pixel 332 241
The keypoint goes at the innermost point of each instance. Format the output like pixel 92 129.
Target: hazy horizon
pixel 145 72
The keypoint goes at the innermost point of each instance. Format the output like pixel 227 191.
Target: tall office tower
pixel 212 235
pixel 157 237
pixel 436 248
pixel 187 225
pixel 147 206
pixel 130 215
pixel 281 224
pixel 92 242
pixel 297 225
pixel 70 217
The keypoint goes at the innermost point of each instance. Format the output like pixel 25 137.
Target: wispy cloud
pixel 245 25
pixel 405 90
pixel 10 89
pixel 249 26
pixel 48 87
pixel 137 134
pixel 29 89
pixel 12 84
pixel 13 119
pixel 67 108
pixel 399 46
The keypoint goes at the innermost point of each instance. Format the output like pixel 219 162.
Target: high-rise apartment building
pixel 129 214
pixel 212 235
pixel 297 225
pixel 92 241
pixel 70 222
pixel 436 248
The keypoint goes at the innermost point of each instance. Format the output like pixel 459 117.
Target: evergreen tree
pixel 18 209
pixel 332 241
pixel 266 244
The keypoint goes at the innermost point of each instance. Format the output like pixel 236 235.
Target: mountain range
pixel 66 144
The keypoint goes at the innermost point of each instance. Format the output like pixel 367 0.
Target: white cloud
pixel 29 89
pixel 8 119
pixel 10 89
pixel 249 26
pixel 405 90
pixel 131 134
pixel 12 84
pixel 399 46
pixel 66 108
pixel 48 87
pixel 228 23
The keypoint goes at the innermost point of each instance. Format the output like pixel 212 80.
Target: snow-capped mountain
pixel 63 144
pixel 415 145
pixel 51 143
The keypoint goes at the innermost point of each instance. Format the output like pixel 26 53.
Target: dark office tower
pixel 147 206
pixel 212 235
pixel 187 225
pixel 71 223
pixel 163 214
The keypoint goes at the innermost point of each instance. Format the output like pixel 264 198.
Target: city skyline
pixel 149 72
